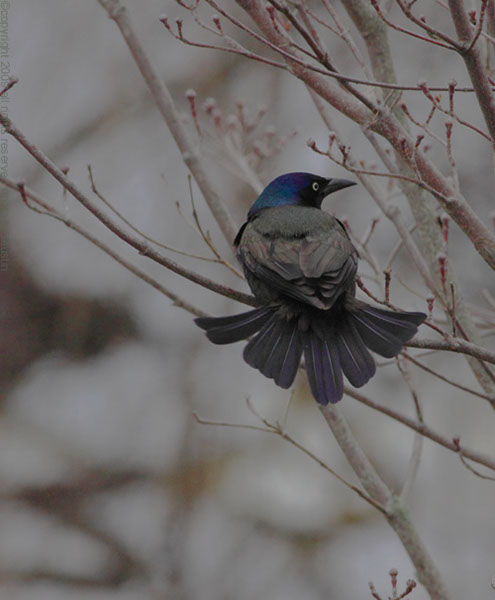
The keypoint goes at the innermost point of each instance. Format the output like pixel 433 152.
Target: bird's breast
pixel 292 222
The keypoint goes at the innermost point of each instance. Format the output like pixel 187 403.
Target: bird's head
pixel 297 189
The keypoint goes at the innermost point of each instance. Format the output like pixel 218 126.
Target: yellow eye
pixel 316 186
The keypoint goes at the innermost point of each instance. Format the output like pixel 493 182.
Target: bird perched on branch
pixel 301 266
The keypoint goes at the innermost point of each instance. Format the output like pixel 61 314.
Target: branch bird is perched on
pixel 301 265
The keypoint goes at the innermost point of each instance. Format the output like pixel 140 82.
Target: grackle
pixel 301 266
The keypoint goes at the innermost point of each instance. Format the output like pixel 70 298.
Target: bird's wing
pixel 314 269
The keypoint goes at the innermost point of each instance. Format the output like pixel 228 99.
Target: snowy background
pixel 108 487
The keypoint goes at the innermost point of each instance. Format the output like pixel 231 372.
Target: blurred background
pixel 109 488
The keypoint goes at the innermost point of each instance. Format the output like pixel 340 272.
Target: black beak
pixel 334 185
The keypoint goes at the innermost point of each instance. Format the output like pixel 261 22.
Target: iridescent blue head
pixel 297 189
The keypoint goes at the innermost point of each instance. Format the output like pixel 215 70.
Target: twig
pixel 206 236
pixel 12 82
pixel 275 428
pixel 143 247
pixel 448 380
pixel 479 25
pixel 396 249
pixel 396 513
pixel 343 33
pixel 50 211
pixel 320 54
pixel 474 63
pixel 417 449
pixel 454 345
pixel 447 43
pixel 167 109
pixel 138 231
pixel 426 89
pixel 292 57
pixel 462 455
pixel 478 457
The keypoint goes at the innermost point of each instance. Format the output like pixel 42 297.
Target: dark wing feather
pixel 314 269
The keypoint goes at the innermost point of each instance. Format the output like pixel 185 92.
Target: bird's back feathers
pixel 300 253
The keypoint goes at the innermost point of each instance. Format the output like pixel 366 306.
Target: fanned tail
pixel 323 365
pixel 227 330
pixel 340 345
pixel 276 350
pixel 385 331
pixel 334 343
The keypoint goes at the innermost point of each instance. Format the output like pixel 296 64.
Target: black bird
pixel 301 266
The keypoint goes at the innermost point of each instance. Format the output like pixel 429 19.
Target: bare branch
pixel 457 444
pixel 474 64
pixel 478 457
pixel 455 345
pixel 446 379
pixel 388 126
pixel 396 513
pixel 167 109
pixel 10 85
pixel 275 428
pixel 417 449
pixel 50 211
pixel 97 193
pixel 447 43
pixel 142 246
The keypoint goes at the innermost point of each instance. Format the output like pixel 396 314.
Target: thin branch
pixel 479 25
pixel 475 456
pixel 168 110
pixel 143 247
pixel 50 211
pixel 387 125
pixel 232 49
pixel 343 33
pixel 417 450
pixel 452 89
pixel 12 82
pixel 474 64
pixel 276 428
pixel 454 345
pixel 462 456
pixel 397 248
pixel 391 212
pixel 206 237
pixel 292 57
pixel 138 231
pixel 320 54
pixel 396 513
pixel 446 379
pixel 447 43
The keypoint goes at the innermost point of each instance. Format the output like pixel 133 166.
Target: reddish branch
pixel 447 43
pixel 383 123
pixel 474 62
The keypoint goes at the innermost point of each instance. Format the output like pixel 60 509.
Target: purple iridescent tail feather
pixel 332 345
